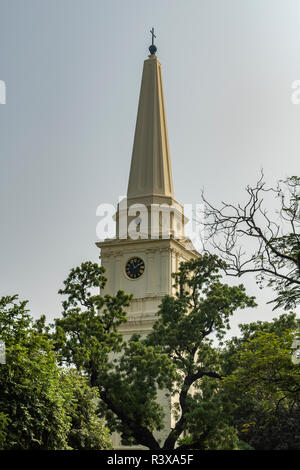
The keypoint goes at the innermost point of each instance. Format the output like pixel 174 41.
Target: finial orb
pixel 152 49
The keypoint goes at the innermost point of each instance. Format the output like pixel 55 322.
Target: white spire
pixel 150 172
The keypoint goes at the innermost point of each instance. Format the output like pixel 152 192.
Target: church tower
pixel 150 242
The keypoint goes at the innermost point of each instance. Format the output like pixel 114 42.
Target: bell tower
pixel 150 242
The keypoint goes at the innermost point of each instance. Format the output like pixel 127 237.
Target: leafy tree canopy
pixel 83 336
pixel 175 357
pixel 42 406
pixel 264 384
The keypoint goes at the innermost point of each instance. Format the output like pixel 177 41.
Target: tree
pixel 3 424
pixel 42 406
pixel 87 331
pixel 264 384
pixel 175 357
pixel 284 323
pixel 211 419
pixel 30 397
pixel 252 240
pixel 88 431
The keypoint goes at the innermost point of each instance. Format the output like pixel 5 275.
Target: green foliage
pixel 278 326
pixel 265 384
pixel 244 396
pixel 14 319
pixel 88 431
pixel 266 360
pixel 276 430
pixel 87 331
pixel 201 306
pixel 129 389
pixel 42 407
pixel 210 419
pixel 175 357
pixel 4 420
pixel 29 392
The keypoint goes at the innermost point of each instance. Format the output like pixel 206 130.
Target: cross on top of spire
pixel 152 48
pixel 153 35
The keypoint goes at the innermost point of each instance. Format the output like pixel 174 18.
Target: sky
pixel 72 70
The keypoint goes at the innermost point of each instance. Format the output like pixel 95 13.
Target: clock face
pixel 135 268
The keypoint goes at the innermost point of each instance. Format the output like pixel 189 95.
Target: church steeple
pixel 150 242
pixel 150 172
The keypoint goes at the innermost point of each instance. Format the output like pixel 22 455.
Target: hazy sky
pixel 73 68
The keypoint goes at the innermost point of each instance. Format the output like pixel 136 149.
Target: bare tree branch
pixel 251 239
